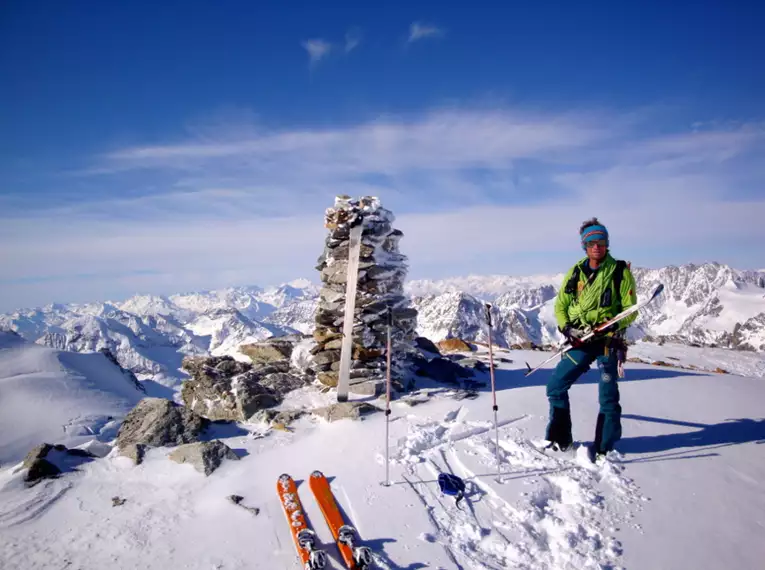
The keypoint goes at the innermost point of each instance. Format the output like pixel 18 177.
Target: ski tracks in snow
pixel 564 518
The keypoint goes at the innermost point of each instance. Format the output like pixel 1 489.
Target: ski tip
pixel 316 473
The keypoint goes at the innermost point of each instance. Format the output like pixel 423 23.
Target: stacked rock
pixel 380 285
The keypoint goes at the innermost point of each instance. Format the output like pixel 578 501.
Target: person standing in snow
pixel 597 288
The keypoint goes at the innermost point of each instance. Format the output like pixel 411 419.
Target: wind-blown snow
pixel 685 492
pixel 57 397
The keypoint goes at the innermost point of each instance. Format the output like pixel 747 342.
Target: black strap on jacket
pixel 606 297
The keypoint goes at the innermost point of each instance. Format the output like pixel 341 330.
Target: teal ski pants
pixel 574 363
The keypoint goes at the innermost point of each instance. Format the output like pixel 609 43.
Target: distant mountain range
pixel 151 334
pixel 708 304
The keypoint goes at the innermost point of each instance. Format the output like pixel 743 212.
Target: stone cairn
pixel 382 270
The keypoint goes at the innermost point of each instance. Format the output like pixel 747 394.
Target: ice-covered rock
pixel 222 388
pixel 380 282
pixel 158 422
pixel 204 456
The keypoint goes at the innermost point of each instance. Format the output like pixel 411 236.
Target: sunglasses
pixel 599 242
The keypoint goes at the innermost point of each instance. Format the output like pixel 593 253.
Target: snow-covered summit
pixel 52 396
pixel 683 489
pixel 285 294
pixel 228 329
pixel 148 305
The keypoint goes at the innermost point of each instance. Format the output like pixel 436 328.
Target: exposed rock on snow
pixel 271 350
pixel 222 388
pixel 38 467
pixel 204 456
pixel 345 410
pixel 134 451
pixel 48 461
pixel 453 345
pixel 444 370
pixel 158 422
pixel 382 270
pixel 427 345
pixel 273 417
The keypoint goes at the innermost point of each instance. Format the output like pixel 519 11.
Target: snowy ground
pixel 51 394
pixel 737 362
pixel 687 492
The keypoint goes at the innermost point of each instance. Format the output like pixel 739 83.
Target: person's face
pixel 596 249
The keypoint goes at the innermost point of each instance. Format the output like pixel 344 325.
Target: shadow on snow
pixel 509 379
pixel 705 436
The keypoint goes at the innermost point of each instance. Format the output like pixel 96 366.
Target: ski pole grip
pixel 487 309
pixel 390 317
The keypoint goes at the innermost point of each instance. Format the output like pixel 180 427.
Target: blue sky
pixel 163 147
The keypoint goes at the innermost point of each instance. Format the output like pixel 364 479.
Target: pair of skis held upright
pixel 312 558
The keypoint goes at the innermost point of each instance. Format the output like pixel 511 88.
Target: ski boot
pixel 318 558
pixel 362 555
pixel 555 446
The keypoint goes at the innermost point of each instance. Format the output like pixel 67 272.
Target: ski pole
pixel 387 399
pixel 493 393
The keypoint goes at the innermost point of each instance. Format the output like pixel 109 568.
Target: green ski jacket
pixel 584 310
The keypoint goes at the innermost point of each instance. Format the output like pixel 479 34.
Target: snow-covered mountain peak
pixel 301 283
pixel 148 305
pixel 244 299
pixel 228 329
pixel 486 287
pixel 287 293
pixel 526 298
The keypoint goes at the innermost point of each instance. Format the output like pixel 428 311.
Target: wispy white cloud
pixel 440 139
pixel 420 31
pixel 317 50
pixel 352 39
pixel 505 188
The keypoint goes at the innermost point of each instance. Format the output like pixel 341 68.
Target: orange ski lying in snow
pixel 304 537
pixel 355 557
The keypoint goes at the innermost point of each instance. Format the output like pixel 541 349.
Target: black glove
pixel 573 335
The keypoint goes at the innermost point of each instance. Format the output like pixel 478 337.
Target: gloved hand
pixel 573 335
